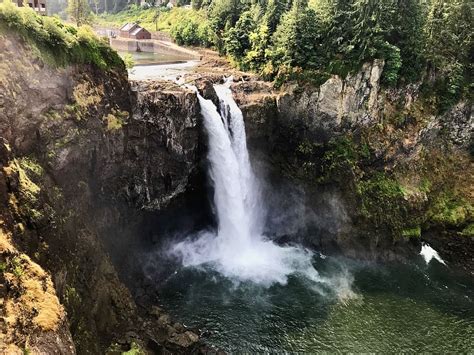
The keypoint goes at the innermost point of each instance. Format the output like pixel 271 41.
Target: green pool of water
pixel 388 308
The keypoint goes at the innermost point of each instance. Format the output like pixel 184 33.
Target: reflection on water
pixel 401 308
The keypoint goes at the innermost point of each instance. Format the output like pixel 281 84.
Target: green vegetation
pixel 383 202
pixel 342 155
pixel 16 267
pixel 146 17
pixel 449 49
pixel 3 267
pixel 300 40
pixel 403 209
pixel 135 349
pixel 128 60
pixel 468 231
pixel 115 120
pixel 28 204
pixel 59 44
pixel 412 232
pixel 31 166
pixel 188 27
pixel 403 199
pixel 13 265
pixel 450 210
pixel 335 161
pixel 71 297
pixel 79 11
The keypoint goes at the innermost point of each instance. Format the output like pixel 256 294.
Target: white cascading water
pixel 239 251
pixel 428 253
pixel 250 189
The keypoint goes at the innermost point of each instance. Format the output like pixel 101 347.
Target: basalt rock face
pixel 381 169
pixel 162 143
pixel 336 106
pixel 82 157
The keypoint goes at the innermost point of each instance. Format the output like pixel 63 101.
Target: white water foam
pixel 239 251
pixel 429 253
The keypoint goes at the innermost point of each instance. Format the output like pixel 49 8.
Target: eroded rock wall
pixel 162 143
pixel 395 171
pixel 92 166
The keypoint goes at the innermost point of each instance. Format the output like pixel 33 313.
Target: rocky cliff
pixel 382 165
pixel 162 143
pixel 80 168
pixel 94 168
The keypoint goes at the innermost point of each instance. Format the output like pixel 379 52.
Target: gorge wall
pixel 94 166
pixel 80 172
pixel 382 169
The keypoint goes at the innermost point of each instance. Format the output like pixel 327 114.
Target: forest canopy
pixel 429 40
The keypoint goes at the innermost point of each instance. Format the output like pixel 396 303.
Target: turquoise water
pixel 387 308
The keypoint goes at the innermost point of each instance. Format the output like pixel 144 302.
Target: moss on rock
pixel 450 210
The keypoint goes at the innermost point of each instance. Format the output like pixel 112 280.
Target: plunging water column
pixel 239 250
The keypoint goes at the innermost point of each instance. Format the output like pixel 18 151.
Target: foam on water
pixel 239 250
pixel 429 253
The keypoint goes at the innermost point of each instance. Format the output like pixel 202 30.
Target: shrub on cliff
pixel 59 44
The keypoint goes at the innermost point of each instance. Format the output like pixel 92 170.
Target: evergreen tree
pixel 297 38
pixel 450 48
pixel 237 41
pixel 79 12
pixel 275 9
pixel 337 23
pixel 406 32
pixel 256 57
pixel 224 13
pixel 449 33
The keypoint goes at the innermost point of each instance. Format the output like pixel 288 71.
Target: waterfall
pixel 239 250
pixel 234 124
